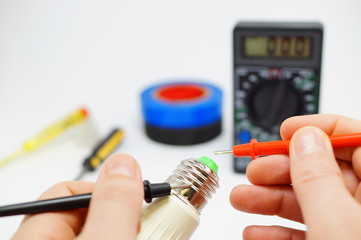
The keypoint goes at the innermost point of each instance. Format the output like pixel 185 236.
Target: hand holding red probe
pixel 315 185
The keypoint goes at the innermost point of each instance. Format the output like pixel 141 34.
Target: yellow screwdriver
pixel 48 134
pixel 101 152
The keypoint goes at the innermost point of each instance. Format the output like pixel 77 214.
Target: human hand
pixel 314 185
pixel 114 208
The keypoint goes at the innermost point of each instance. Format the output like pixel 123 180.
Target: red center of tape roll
pixel 177 93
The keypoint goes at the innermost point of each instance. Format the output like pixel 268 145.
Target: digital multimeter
pixel 276 67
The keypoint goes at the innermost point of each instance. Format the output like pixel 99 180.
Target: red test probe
pixel 255 149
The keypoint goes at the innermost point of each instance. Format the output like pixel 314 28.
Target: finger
pixel 272 233
pixel 357 194
pixel 330 124
pixel 275 170
pixel 350 177
pixel 317 180
pixel 116 201
pixel 266 200
pixel 270 170
pixel 59 225
pixel 356 162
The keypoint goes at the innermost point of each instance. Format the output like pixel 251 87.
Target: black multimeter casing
pixel 276 75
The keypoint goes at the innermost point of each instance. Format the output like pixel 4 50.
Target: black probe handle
pixel 153 190
pixel 76 201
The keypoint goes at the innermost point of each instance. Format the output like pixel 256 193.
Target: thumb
pixel 317 178
pixel 116 201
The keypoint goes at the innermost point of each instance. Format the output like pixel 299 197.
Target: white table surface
pixel 56 56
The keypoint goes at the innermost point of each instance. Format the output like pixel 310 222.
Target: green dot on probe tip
pixel 209 163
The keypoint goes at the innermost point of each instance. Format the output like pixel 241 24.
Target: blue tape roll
pixel 203 109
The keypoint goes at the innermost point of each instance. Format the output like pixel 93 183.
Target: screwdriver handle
pixel 103 150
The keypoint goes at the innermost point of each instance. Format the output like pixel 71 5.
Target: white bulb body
pixel 168 218
pixel 176 217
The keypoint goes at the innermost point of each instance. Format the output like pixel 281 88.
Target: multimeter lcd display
pixel 277 46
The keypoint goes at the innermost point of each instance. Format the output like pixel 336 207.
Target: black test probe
pixel 101 151
pixel 151 190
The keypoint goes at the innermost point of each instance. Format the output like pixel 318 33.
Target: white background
pixel 56 56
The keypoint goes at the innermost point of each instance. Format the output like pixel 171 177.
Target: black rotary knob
pixel 271 102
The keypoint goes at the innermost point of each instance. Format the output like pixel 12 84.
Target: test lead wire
pixel 151 190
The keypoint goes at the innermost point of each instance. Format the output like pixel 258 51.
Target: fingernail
pixel 124 167
pixel 309 140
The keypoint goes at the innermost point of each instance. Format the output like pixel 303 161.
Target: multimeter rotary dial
pixel 267 96
pixel 270 102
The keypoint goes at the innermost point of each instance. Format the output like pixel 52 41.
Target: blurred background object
pixel 47 134
pixel 58 55
pixel 182 111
